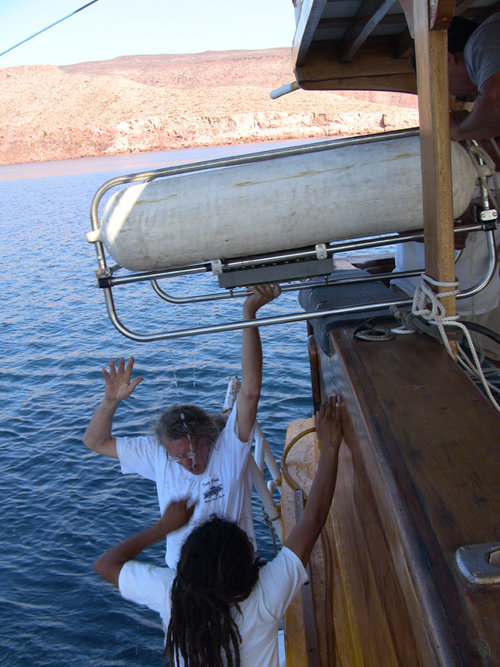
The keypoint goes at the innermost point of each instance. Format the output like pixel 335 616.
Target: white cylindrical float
pixel 344 192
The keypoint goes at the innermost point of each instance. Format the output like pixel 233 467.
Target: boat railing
pixel 292 268
pixel 108 279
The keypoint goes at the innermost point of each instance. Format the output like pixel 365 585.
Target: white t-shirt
pixel 224 488
pixel 482 51
pixel 278 583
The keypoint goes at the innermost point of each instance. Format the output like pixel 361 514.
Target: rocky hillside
pixel 149 103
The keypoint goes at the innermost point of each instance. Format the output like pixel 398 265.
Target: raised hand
pixel 329 431
pixel 258 296
pixel 329 423
pixel 176 515
pixel 118 383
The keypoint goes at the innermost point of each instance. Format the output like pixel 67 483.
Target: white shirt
pixel 278 583
pixel 224 488
pixel 482 51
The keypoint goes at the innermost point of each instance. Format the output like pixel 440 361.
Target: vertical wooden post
pixel 433 101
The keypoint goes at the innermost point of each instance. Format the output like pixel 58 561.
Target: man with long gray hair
pixel 192 454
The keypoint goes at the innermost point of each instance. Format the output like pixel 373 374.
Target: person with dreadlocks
pixel 222 606
pixel 192 453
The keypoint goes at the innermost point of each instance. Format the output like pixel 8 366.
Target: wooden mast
pixel 430 24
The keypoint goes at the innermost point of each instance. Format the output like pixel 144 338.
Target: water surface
pixel 62 505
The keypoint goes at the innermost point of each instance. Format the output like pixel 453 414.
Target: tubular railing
pixel 110 277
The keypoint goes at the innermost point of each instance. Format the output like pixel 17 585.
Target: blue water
pixel 62 505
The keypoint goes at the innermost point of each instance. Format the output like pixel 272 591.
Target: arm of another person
pixel 251 360
pixel 118 386
pixel 302 538
pixel 483 122
pixel 110 564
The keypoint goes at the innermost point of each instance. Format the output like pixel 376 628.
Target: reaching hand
pixel 329 423
pixel 258 297
pixel 118 384
pixel 176 515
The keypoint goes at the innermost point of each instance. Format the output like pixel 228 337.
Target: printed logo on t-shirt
pixel 212 490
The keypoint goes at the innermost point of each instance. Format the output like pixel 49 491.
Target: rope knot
pixel 426 302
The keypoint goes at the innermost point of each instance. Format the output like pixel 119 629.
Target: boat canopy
pixel 363 45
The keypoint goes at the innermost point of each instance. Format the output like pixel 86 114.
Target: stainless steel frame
pixel 109 276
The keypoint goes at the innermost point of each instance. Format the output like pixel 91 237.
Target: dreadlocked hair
pixel 216 571
pixel 181 421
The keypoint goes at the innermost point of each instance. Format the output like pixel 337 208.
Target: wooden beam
pixel 375 68
pixel 301 464
pixel 311 635
pixel 464 6
pixel 440 14
pixel 397 83
pixel 369 15
pixel 476 13
pixel 310 14
pixel 432 81
pixel 343 24
pixel 404 45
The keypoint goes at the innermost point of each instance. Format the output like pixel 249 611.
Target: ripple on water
pixel 62 506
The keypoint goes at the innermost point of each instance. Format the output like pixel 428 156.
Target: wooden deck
pixel 421 477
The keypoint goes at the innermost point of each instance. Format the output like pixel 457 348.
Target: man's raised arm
pixel 484 120
pixel 110 564
pixel 118 386
pixel 251 359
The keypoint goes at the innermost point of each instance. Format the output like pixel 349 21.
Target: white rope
pixel 471 369
pixel 426 301
pixel 427 305
pixel 403 331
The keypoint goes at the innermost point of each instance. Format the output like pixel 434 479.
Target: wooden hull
pixel 418 478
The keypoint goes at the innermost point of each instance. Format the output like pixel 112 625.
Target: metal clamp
pixel 321 252
pixel 216 265
pixel 479 563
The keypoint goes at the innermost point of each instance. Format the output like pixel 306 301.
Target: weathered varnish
pixel 413 486
pixel 419 477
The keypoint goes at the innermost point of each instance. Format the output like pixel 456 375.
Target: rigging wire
pixel 39 32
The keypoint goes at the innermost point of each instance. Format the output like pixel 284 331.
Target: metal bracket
pixel 216 265
pixel 321 252
pixel 104 277
pixel 488 214
pixel 476 563
pixel 489 218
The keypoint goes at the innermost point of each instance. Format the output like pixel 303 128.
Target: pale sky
pixel 111 28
